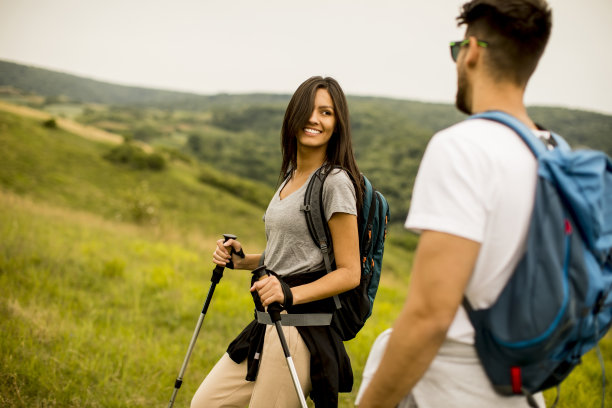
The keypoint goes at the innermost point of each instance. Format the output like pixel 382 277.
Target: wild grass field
pixel 104 269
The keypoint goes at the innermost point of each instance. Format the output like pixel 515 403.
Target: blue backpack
pixel 354 306
pixel 558 302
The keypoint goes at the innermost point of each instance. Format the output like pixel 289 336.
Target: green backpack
pixel 354 306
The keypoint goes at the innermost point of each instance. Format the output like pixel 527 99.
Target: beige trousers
pixel 225 386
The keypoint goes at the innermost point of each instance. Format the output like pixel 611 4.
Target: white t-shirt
pixel 477 181
pixel 455 379
pixel 372 363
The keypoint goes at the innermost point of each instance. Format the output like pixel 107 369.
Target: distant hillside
pixel 429 116
pixel 240 133
pixel 54 84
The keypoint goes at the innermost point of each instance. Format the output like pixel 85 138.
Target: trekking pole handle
pixel 227 237
pixel 218 271
pixel 260 272
pixel 275 308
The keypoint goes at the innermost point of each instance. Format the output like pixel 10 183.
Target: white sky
pixel 389 48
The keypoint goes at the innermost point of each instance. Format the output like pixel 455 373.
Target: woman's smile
pixel 321 123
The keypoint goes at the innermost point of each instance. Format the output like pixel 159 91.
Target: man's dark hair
pixel 517 32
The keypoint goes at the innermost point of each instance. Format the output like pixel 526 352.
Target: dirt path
pixel 88 132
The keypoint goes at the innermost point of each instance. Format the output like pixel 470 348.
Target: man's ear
pixel 473 53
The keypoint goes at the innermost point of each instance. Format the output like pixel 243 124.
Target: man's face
pixel 463 97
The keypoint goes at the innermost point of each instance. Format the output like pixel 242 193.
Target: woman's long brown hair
pixel 340 146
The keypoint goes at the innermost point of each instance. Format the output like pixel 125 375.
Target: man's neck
pixel 502 96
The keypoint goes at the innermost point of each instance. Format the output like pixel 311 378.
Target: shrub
pixel 174 154
pixel 146 132
pixel 156 161
pixel 129 154
pixel 50 123
pixel 140 205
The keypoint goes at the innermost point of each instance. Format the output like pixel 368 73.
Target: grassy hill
pixel 96 295
pixel 100 300
pixel 105 259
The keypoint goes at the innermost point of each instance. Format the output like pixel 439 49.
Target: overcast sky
pixel 395 48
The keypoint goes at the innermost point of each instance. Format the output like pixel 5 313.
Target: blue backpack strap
pixel 535 145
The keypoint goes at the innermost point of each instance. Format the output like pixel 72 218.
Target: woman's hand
pixel 221 256
pixel 269 290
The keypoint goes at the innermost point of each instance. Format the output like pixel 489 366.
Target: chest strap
pixel 297 319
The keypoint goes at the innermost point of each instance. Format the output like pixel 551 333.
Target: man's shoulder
pixel 474 128
pixel 477 134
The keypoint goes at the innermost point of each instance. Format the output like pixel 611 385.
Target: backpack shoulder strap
pixel 370 204
pixel 519 127
pixel 315 219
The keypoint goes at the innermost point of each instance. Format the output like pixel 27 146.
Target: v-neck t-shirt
pixel 290 248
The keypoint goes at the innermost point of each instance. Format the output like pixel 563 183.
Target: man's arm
pixel 443 265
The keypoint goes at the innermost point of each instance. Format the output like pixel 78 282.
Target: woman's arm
pixel 346 276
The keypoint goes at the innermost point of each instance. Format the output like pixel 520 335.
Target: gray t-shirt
pixel 290 248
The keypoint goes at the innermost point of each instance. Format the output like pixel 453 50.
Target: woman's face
pixel 321 124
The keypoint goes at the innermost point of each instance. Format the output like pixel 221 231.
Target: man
pixel 472 202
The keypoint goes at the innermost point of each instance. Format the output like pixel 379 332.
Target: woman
pixel 315 133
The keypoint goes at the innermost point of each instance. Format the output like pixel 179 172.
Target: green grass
pixel 98 313
pixel 97 310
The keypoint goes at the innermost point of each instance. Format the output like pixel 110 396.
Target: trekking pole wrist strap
pixel 287 294
pixel 240 253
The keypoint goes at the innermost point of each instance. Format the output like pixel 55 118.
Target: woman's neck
pixel 309 162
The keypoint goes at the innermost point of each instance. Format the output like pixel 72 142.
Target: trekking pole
pixel 216 277
pixel 274 310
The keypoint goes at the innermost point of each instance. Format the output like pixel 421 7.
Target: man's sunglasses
pixel 455 47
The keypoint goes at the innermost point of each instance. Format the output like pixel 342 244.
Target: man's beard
pixel 461 98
